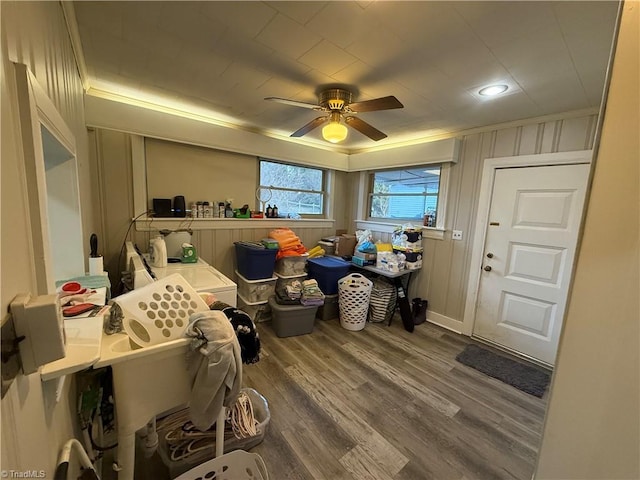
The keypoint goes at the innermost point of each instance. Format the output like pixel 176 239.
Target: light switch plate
pixel 457 235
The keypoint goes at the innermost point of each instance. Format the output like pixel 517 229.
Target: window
pixel 406 194
pixel 294 189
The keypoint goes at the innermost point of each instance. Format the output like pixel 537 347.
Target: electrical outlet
pixel 457 235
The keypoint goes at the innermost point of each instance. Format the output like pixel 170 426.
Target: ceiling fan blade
pixel 364 128
pixel 383 103
pixel 316 122
pixel 294 103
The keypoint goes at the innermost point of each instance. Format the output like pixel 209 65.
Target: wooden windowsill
pixel 388 227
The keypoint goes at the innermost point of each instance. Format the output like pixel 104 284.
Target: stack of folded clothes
pixel 294 290
pixel 311 294
pixel 289 294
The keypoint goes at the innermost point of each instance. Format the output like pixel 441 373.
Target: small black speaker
pixel 162 207
pixel 179 206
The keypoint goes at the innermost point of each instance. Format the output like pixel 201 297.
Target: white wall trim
pixel 445 322
pixel 184 127
pixel 139 174
pixel 121 113
pixel 36 109
pixel 438 151
pixel 69 13
pixel 484 202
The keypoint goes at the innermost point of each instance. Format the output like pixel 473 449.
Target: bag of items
pixel 383 301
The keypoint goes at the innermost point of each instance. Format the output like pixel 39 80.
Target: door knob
pixel 489 255
pixel 487 268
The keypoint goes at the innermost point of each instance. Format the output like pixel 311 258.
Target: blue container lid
pixel 329 262
pixel 255 248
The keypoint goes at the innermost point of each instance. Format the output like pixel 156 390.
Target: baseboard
pixel 445 322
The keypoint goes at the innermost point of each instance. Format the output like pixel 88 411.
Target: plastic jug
pixel 158 252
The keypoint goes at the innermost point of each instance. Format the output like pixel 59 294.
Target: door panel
pixel 530 243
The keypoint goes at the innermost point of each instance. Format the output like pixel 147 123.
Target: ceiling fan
pixel 339 110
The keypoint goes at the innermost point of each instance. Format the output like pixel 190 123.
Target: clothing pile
pixel 245 331
pixel 311 294
pixel 289 243
pixel 289 294
pixel 215 365
pixel 294 290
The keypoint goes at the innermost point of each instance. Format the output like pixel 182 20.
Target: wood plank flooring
pixel 386 404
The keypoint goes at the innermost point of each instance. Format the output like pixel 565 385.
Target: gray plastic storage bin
pixel 290 320
pixel 330 309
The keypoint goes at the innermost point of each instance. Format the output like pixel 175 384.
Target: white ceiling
pixel 225 57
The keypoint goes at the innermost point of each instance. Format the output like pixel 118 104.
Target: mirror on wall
pixel 52 185
pixel 63 207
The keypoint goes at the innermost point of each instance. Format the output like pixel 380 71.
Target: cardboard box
pixel 345 244
pixel 365 256
pixel 361 262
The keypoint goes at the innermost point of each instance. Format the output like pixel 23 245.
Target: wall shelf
pixel 84 337
pixel 146 224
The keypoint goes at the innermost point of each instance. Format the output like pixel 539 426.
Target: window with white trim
pixel 408 194
pixel 293 188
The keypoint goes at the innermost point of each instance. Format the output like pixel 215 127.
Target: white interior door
pixel 530 244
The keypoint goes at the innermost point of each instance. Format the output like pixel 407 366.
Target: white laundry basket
pixel 354 292
pixel 159 312
pixel 236 465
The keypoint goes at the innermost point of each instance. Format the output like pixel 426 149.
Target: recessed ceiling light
pixel 492 90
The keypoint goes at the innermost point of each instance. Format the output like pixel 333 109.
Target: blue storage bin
pixel 327 271
pixel 255 262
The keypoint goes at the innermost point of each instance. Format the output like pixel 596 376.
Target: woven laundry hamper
pixel 383 301
pixel 354 292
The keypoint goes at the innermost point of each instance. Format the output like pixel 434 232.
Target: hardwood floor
pixel 385 404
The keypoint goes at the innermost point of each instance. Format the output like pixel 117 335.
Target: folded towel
pixel 311 293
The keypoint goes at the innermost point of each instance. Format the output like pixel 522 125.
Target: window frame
pixel 436 232
pixel 322 193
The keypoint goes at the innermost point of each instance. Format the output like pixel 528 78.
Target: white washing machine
pixel 200 275
pixel 203 278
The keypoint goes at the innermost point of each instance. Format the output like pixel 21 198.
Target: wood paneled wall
pixel 446 263
pixel 111 151
pixel 443 278
pixel 34 426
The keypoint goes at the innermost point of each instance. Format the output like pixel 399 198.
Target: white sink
pixel 119 348
pixel 147 381
pixel 152 379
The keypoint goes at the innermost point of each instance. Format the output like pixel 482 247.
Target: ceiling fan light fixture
pixel 334 132
pixel 493 90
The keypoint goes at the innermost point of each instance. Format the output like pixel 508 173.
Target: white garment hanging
pixel 217 372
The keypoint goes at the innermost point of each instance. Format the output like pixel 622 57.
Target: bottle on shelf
pixel 269 211
pixel 221 209
pixel 274 211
